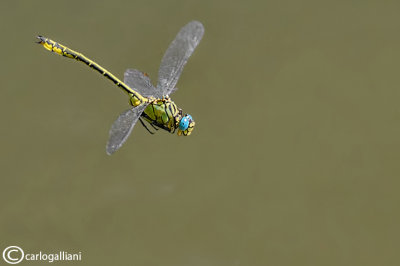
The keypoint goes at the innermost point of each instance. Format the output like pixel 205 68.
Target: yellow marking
pixel 134 101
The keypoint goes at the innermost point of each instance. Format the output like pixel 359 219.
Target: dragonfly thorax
pixel 164 113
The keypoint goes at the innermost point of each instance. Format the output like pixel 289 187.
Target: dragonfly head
pixel 186 125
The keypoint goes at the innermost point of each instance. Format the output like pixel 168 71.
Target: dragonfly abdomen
pixel 136 98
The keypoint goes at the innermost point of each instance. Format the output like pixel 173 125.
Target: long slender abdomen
pixel 136 98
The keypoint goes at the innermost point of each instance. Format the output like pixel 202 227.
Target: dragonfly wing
pixel 177 55
pixel 138 81
pixel 122 128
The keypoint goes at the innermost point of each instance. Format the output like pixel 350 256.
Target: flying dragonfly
pixel 149 104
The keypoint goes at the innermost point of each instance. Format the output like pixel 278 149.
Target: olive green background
pixel 294 159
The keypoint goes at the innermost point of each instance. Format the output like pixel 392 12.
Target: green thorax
pixel 162 113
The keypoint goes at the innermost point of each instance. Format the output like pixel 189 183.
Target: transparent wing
pixel 141 83
pixel 122 128
pixel 177 55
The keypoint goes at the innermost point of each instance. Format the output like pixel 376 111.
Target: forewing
pixel 177 55
pixel 139 82
pixel 122 128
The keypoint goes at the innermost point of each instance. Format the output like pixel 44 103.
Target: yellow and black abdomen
pixel 58 48
pixel 136 98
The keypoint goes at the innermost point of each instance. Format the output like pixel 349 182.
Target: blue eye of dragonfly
pixel 184 123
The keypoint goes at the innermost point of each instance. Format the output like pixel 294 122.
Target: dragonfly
pixel 149 104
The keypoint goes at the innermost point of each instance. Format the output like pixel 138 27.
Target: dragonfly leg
pixel 143 124
pixel 153 126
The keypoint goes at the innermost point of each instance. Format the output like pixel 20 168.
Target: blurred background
pixel 294 159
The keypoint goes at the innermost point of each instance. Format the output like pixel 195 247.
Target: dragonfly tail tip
pixel 40 39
